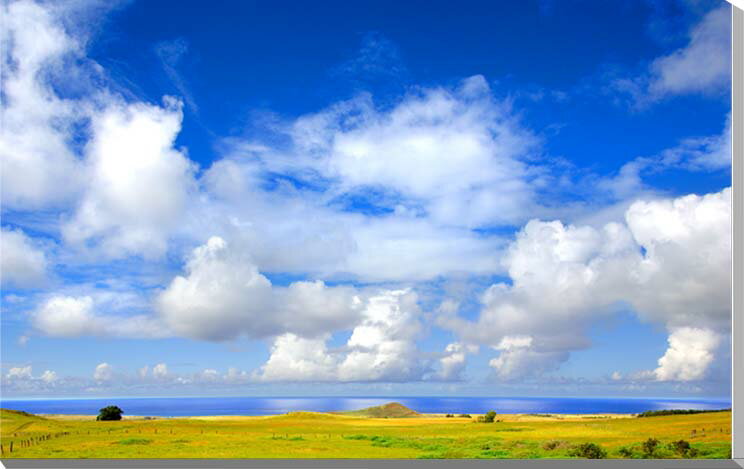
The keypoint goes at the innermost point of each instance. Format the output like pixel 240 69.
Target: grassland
pixel 318 435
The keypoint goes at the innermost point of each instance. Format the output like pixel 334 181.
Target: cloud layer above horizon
pixel 364 242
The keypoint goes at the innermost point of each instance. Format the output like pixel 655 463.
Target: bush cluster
pixel 649 447
pixel 653 449
pixel 588 451
pixel 683 449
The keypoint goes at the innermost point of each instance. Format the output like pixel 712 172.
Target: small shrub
pixel 464 416
pixel 680 446
pixel 649 447
pixel 625 452
pixel 489 417
pixel 554 444
pixel 588 451
pixel 683 449
pixel 449 416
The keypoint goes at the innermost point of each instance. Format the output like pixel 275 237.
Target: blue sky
pixel 502 198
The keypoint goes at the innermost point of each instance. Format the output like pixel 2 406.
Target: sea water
pixel 188 406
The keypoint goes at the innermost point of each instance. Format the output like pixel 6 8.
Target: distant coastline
pixel 265 406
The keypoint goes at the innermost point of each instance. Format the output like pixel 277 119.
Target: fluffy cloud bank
pixel 22 378
pixel 670 262
pixel 223 296
pixel 108 164
pixel 349 169
pixel 22 372
pixel 72 143
pixel 39 169
pixel 464 147
pixel 452 363
pixel 689 355
pixel 424 188
pixel 68 316
pixel 381 347
pixel 137 183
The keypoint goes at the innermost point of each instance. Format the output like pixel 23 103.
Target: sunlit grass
pixel 315 435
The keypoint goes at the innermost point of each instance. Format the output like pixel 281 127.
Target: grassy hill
pixel 389 410
pixel 14 421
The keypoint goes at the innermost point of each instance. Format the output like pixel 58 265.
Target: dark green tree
pixel 111 412
pixel 489 417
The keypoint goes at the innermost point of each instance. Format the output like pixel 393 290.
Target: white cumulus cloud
pixel 71 316
pixel 670 261
pixel 160 371
pixel 296 359
pixel 381 347
pixel 454 360
pixel 49 376
pixel 22 264
pixel 103 372
pixel 21 372
pixel 691 351
pixel 39 169
pixel 223 296
pixel 138 183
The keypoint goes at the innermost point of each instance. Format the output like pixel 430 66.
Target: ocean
pixel 188 406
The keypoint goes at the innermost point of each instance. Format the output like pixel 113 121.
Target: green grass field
pixel 316 435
